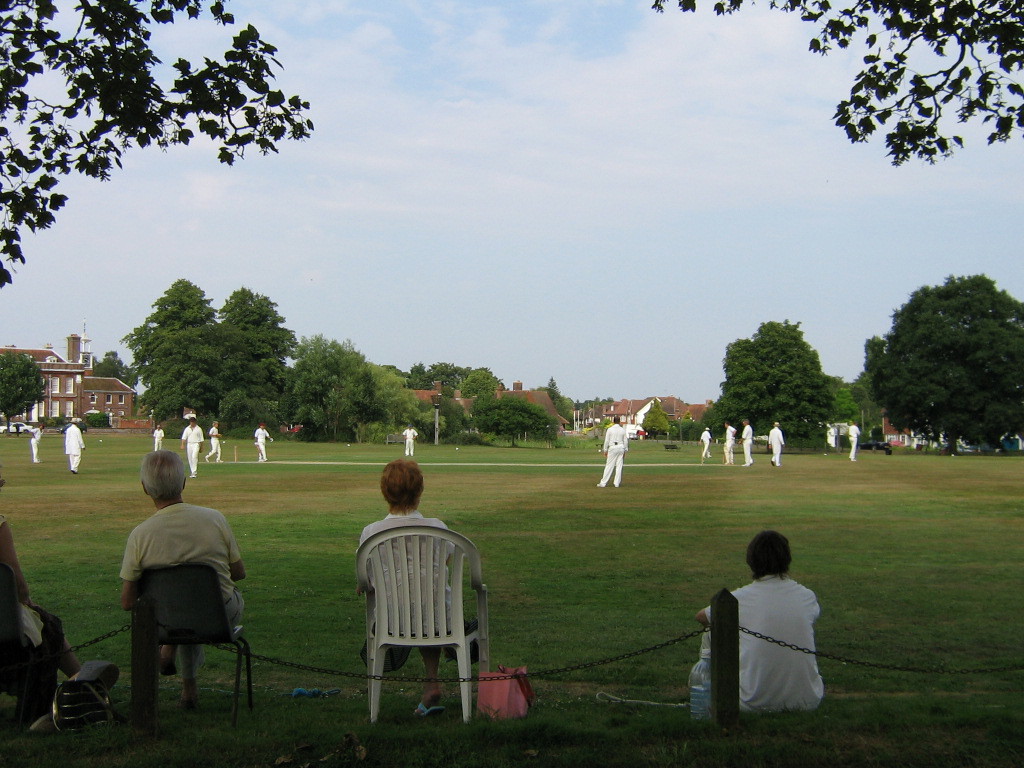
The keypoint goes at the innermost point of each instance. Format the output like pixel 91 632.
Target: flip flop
pixel 424 711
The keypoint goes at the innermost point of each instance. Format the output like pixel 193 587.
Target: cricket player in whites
pixel 616 443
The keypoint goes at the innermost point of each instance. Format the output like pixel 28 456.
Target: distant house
pixel 71 391
pixel 427 396
pixel 537 397
pixel 631 413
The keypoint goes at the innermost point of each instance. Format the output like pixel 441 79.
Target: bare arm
pixel 10 557
pixel 129 594
pixel 702 617
pixel 237 570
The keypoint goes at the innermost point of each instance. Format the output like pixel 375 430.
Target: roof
pixel 104 384
pixel 537 397
pixel 39 355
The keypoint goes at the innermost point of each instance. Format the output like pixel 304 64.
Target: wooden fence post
pixel 145 663
pixel 725 659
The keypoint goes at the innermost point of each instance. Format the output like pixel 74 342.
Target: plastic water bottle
pixel 700 688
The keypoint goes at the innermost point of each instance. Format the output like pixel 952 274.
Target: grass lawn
pixel 916 561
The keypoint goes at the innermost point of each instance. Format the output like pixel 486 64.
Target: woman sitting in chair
pixel 402 486
pixel 40 629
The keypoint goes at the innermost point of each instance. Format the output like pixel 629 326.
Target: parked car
pixel 876 445
pixel 16 427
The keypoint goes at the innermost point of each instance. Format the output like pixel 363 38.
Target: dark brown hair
pixel 768 554
pixel 402 485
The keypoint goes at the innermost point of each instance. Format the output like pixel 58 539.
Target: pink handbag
pixel 506 697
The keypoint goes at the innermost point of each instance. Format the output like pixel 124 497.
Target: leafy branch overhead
pixel 109 99
pixel 928 62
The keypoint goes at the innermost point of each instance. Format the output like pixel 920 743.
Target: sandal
pixel 422 710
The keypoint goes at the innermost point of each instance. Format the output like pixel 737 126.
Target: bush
pixel 98 420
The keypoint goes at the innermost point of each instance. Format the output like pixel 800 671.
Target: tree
pixel 563 404
pixel 950 367
pixel 330 389
pixel 480 382
pixel 775 376
pixel 511 417
pixel 254 347
pixel 928 63
pixel 21 384
pixel 111 366
pixel 449 374
pixel 844 407
pixel 99 55
pixel 656 420
pixel 870 412
pixel 177 353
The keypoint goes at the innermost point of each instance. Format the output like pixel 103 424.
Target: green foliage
pixel 255 345
pixel 927 64
pixel 449 374
pixel 870 412
pixel 512 417
pixel 235 367
pixel 98 420
pixel 100 56
pixel 688 429
pixel 774 376
pixel 331 390
pixel 480 382
pixel 21 383
pixel 176 353
pixel 844 407
pixel 656 420
pixel 951 365
pixel 563 404
pixel 111 366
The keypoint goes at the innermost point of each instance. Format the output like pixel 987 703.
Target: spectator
pixel 772 677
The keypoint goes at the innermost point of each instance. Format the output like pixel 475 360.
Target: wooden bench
pixel 394 439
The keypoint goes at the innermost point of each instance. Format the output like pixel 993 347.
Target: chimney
pixel 517 386
pixel 437 386
pixel 74 348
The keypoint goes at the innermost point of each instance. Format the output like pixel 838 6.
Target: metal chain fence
pixel 573 668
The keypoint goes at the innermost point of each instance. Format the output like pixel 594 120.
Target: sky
pixel 582 190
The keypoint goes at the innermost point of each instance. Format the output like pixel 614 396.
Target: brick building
pixel 70 389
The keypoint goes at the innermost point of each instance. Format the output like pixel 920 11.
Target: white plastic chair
pixel 408 573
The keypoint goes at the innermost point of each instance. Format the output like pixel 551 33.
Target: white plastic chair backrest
pixel 416 572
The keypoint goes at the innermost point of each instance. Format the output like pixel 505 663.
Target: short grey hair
pixel 162 475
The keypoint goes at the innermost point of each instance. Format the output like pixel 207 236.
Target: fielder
pixel 616 443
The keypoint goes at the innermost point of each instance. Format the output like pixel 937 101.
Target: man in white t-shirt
pixel 262 436
pixel 616 443
pixel 74 444
pixel 36 435
pixel 180 533
pixel 853 432
pixel 730 443
pixel 705 445
pixel 192 444
pixel 748 443
pixel 214 433
pixel 776 441
pixel 410 434
pixel 772 677
pixel 158 438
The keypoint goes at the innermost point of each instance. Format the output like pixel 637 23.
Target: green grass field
pixel 916 561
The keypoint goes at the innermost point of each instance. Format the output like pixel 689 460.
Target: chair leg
pixel 375 659
pixel 465 687
pixel 238 686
